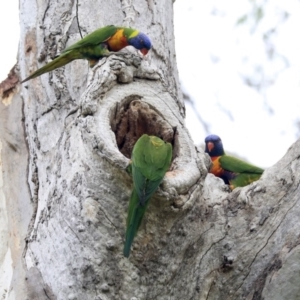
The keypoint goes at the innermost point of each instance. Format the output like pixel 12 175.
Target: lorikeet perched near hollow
pixel 96 45
pixel 150 160
pixel 233 171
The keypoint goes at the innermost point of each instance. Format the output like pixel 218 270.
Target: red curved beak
pixel 144 51
pixel 210 146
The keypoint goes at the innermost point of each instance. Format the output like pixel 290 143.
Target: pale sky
pixel 214 55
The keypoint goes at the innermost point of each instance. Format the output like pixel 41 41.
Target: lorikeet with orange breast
pixel 233 171
pixel 97 45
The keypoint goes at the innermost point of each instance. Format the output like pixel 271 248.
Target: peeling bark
pixel 66 190
pixel 8 85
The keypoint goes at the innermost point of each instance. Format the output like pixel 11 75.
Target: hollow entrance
pixel 135 118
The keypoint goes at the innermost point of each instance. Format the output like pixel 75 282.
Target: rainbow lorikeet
pixel 96 45
pixel 150 160
pixel 233 171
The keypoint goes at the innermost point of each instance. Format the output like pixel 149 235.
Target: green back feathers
pixel 152 156
pixel 95 38
pixel 236 165
pixel 129 32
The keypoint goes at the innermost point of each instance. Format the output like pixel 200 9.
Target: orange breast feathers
pixel 118 41
pixel 216 168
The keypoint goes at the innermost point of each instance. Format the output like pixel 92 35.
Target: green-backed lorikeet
pixel 150 160
pixel 233 171
pixel 96 45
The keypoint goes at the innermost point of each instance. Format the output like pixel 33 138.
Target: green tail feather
pixel 135 215
pixel 58 62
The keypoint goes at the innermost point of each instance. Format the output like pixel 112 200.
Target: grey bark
pixel 66 189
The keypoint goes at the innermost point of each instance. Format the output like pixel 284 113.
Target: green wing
pixel 236 165
pixel 96 37
pixel 144 187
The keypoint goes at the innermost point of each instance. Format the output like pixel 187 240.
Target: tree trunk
pixel 65 187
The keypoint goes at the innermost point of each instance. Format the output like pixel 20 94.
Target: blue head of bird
pixel 141 42
pixel 214 145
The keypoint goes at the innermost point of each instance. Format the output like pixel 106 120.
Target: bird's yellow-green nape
pixel 156 142
pixel 133 34
pixel 151 158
